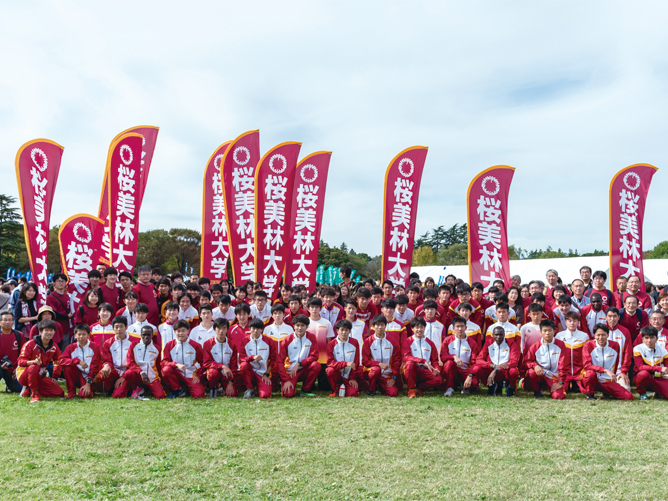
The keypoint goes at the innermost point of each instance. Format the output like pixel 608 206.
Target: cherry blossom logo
pixel 485 186
pixel 309 173
pixel 216 162
pixel 36 152
pixel 411 166
pixel 125 150
pixel 241 149
pixel 82 233
pixel 632 176
pixel 282 160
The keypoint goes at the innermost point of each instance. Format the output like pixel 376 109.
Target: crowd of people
pixel 169 337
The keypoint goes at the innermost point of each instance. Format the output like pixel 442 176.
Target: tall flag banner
pixel 306 210
pixel 238 179
pixel 124 189
pixel 400 204
pixel 150 137
pixel 215 249
pixel 487 225
pixel 37 168
pixel 80 238
pixel 628 193
pixel 274 182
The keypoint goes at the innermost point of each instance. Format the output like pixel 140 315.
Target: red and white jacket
pixel 249 350
pixel 296 350
pixel 646 359
pixel 420 351
pixel 188 353
pixel 592 317
pixel 89 354
pixel 48 354
pixel 599 358
pixel 546 355
pixel 661 340
pixel 377 350
pixel 513 334
pixel 466 349
pixel 504 353
pixel 573 361
pixel 435 331
pixel 101 333
pixel 166 331
pixel 339 353
pixel 142 358
pixel 115 353
pixel 622 337
pixel 333 314
pixel 218 354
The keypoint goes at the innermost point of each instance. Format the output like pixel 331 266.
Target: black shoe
pixel 371 393
pixel 590 397
pixel 510 391
pixel 492 389
pixel 538 394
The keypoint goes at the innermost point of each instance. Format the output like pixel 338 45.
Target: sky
pixel 568 93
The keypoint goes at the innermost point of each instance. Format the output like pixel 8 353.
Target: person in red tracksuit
pixel 459 353
pixel 572 363
pixel 621 336
pixel 182 363
pixel 651 364
pixel 498 362
pixel 144 366
pixel 343 361
pixel 381 358
pixel 601 357
pixel 257 354
pixel 420 358
pixel 298 359
pixel 632 317
pixel 35 355
pixel 115 361
pixel 220 361
pixel 146 294
pixel 81 361
pixel 543 362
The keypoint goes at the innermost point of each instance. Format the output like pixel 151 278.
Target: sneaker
pixel 466 391
pixel 644 396
pixel 412 394
pixel 306 393
pixel 492 389
pixel 34 399
pixel 449 392
pixel 25 392
pixel 69 396
pixel 176 393
pixel 61 380
pixel 538 394
pixel 138 392
pixel 333 394
pixel 510 391
pixel 212 393
pixel 371 393
pixel 419 391
pixel 249 393
pixel 590 396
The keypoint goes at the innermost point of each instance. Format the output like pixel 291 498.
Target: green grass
pixel 480 447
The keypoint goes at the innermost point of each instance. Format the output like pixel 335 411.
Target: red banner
pixel 274 181
pixel 215 249
pixel 80 238
pixel 37 168
pixel 124 190
pixel 305 223
pixel 487 224
pixel 628 193
pixel 150 137
pixel 238 178
pixel 400 204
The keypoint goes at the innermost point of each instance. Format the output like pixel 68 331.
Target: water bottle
pixel 342 390
pixel 504 391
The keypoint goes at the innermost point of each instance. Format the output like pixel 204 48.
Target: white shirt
pixel 201 334
pixel 229 314
pixel 263 315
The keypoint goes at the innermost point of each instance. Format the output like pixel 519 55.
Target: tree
pixel 423 256
pixel 453 254
pixel 12 243
pixel 187 247
pixel 54 262
pixel 660 251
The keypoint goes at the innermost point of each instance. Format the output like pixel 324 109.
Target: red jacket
pixel 572 363
pixel 111 296
pixel 586 354
pixel 60 304
pixel 244 357
pixel 9 347
pixel 442 314
pixel 334 364
pixel 407 354
pixel 621 336
pixel 530 357
pixel 633 323
pixel 474 347
pixel 199 357
pixel 236 334
pixel 89 316
pixel 478 315
pixel 134 365
pixel 289 316
pixel 484 360
pixel 210 362
pixel 95 364
pixel 146 294
pixel 33 348
pixel 394 361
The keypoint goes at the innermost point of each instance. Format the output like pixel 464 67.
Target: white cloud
pixel 568 93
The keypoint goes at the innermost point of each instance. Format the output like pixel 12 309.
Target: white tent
pixel 656 270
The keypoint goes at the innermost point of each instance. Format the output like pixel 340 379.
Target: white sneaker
pixel 449 392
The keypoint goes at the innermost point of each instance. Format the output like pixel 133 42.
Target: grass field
pixel 478 447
